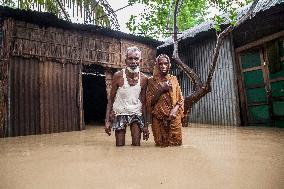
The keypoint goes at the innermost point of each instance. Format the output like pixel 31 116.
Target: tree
pixel 203 88
pixel 200 89
pixel 157 20
pixel 97 12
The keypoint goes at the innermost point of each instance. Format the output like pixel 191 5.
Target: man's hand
pixel 108 128
pixel 111 116
pixel 146 133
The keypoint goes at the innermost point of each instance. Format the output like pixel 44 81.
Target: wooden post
pixel 108 80
pixel 8 33
pixel 80 100
pixel 264 64
pixel 242 91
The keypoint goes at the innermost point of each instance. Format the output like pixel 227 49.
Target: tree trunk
pixel 200 88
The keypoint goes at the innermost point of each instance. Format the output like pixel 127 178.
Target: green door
pixel 255 89
pixel 276 76
pixel 263 85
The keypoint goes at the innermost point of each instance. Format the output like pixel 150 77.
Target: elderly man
pixel 165 102
pixel 127 102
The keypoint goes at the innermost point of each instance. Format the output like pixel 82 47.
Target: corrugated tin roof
pixel 207 25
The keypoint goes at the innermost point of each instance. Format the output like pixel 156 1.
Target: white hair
pixel 133 49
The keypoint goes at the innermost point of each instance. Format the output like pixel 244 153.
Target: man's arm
pixel 109 115
pixel 144 109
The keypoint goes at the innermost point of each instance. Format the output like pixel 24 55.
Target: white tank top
pixel 127 100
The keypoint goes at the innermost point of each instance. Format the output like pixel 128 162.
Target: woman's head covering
pixel 156 72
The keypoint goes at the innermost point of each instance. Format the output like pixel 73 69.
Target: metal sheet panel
pixel 221 106
pixel 44 97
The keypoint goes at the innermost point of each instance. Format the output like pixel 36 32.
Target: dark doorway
pixel 94 95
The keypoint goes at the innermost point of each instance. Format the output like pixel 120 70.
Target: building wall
pixel 221 106
pixel 76 47
pixel 43 80
pixel 44 97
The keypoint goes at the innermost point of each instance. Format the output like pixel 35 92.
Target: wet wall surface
pixel 211 157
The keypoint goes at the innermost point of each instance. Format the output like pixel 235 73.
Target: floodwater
pixel 211 157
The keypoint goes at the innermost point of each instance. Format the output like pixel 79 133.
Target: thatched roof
pixel 49 20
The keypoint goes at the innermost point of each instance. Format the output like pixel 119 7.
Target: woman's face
pixel 163 66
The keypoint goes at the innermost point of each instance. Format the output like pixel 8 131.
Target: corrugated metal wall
pixel 44 97
pixel 221 106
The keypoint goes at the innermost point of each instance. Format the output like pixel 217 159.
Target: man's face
pixel 163 66
pixel 133 59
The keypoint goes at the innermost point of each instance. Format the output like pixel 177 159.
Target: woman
pixel 165 103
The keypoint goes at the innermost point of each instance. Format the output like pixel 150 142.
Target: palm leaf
pixel 97 12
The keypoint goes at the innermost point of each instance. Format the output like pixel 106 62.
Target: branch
pixel 63 10
pixel 197 83
pixel 92 9
pixel 201 89
pixel 113 11
pixel 221 37
pixel 169 13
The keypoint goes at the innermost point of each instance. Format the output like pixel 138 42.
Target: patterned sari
pixel 166 132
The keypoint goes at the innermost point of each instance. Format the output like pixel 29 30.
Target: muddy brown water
pixel 210 157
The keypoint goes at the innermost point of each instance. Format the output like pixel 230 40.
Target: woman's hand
pixel 166 86
pixel 173 113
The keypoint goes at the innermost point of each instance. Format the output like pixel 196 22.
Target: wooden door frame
pixel 264 67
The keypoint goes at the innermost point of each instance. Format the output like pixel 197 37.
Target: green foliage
pixel 154 21
pixel 157 20
pixel 87 10
pixel 233 16
pixel 229 7
pixel 219 20
pixel 9 3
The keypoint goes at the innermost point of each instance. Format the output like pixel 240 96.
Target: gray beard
pixel 133 71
